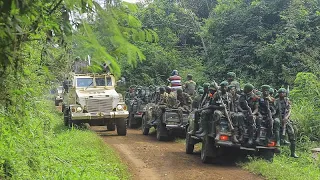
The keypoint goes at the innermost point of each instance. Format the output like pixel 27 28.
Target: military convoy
pixel 213 148
pixel 167 125
pixel 91 98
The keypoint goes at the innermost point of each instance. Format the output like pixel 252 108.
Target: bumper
pixel 100 115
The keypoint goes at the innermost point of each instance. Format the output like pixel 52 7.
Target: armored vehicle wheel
pixel 206 150
pixel 121 127
pixel 162 133
pixel 145 129
pixel 111 127
pixel 189 144
pixel 130 118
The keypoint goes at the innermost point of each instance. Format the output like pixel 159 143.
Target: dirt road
pixel 149 159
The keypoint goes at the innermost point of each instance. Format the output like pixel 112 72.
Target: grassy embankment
pixel 40 147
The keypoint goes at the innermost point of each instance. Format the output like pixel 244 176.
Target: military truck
pixel 92 99
pixel 212 148
pixel 137 104
pixel 167 125
pixel 59 96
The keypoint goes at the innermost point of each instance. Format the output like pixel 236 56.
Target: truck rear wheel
pixel 145 129
pixel 121 127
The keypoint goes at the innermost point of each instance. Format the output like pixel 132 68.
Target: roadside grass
pixel 284 167
pixel 39 146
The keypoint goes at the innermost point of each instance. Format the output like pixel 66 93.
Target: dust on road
pixel 149 159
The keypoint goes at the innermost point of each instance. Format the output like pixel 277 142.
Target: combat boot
pixel 284 141
pixel 202 128
pixel 277 137
pixel 293 150
pixel 204 131
pixel 234 137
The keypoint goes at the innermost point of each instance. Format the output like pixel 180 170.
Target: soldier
pixel 266 112
pixel 207 111
pixel 236 116
pixel 197 100
pixel 185 102
pixel 222 100
pixel 190 86
pixel 204 100
pixel 248 105
pixel 283 108
pixel 231 80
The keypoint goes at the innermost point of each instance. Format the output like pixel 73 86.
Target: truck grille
pixel 99 105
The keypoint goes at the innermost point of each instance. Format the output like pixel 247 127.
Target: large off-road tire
pixel 121 127
pixel 189 144
pixel 144 128
pixel 130 118
pixel 111 127
pixel 206 150
pixel 267 154
pixel 162 133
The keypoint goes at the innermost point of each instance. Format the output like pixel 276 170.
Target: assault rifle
pixel 270 118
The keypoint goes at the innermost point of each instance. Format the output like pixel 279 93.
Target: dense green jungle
pixel 275 42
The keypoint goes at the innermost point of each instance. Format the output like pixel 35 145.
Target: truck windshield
pixel 100 82
pixel 84 82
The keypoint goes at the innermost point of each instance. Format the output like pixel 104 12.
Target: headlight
pixel 79 109
pixel 119 107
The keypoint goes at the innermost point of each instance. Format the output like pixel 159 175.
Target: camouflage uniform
pixel 231 81
pixel 250 100
pixel 274 127
pixel 197 100
pixel 236 116
pixel 224 96
pixel 190 86
pixel 206 111
pixel 185 102
pixel 283 108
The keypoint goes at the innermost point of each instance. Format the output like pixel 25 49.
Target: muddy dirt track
pixel 149 159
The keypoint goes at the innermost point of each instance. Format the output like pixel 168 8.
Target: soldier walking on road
pixel 283 108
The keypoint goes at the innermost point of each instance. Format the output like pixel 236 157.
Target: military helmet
pixel 174 72
pixel 206 85
pixel 258 93
pixel 224 83
pixel 231 86
pixel 161 88
pixel 271 90
pixel 212 86
pixel 248 87
pixel 231 74
pixel 168 88
pixel 282 90
pixel 200 91
pixel 265 87
pixel 179 90
pixel 189 76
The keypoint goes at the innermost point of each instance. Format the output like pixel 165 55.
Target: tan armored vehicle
pixel 92 98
